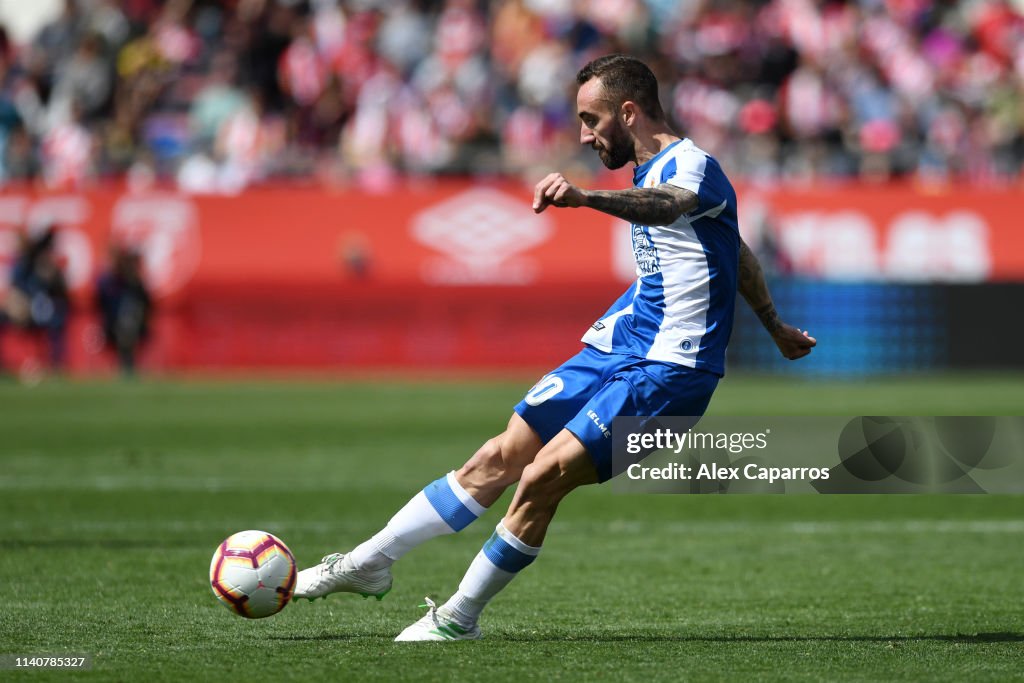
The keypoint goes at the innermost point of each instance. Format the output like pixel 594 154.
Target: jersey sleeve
pixel 696 172
pixel 686 171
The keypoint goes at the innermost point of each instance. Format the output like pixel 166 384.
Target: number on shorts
pixel 548 386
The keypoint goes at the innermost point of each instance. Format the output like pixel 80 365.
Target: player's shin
pixel 442 507
pixel 501 558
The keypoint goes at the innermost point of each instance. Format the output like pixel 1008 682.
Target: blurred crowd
pixel 217 95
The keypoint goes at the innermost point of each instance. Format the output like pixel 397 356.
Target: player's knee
pixel 490 465
pixel 542 484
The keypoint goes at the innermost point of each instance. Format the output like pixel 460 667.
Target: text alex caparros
pixel 736 442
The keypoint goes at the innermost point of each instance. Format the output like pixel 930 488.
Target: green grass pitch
pixel 114 496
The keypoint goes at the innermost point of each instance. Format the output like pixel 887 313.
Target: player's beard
pixel 619 151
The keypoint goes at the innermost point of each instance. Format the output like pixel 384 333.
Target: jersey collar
pixel 640 172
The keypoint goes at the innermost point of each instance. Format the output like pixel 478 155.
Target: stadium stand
pixel 225 94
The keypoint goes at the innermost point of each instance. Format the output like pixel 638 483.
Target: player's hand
pixel 793 343
pixel 555 190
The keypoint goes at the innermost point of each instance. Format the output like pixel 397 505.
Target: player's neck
pixel 650 144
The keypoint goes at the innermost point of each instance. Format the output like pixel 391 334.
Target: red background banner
pixel 455 274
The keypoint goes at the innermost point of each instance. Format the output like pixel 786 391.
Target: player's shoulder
pixel 684 164
pixel 687 146
pixel 686 151
pixel 685 155
pixel 689 156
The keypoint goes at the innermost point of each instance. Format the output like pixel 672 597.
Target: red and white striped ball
pixel 253 574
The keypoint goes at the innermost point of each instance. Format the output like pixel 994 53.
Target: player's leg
pixel 499 462
pixel 561 466
pixel 452 502
pixel 444 506
pixel 580 454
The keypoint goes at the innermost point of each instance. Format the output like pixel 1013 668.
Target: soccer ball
pixel 253 574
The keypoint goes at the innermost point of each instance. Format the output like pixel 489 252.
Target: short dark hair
pixel 625 78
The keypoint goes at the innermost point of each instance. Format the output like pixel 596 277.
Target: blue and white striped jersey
pixel 680 310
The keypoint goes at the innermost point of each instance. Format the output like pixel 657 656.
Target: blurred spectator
pixel 364 90
pixel 68 151
pixel 20 161
pixel 56 42
pixel 37 300
pixel 124 305
pixel 84 80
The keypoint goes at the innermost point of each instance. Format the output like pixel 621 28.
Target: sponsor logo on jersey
pixel 645 252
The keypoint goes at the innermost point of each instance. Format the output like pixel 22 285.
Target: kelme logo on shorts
pixel 596 419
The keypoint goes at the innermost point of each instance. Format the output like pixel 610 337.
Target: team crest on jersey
pixel 645 252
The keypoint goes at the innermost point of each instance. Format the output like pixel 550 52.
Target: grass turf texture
pixel 114 496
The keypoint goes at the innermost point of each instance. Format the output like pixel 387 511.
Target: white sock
pixel 442 507
pixel 501 558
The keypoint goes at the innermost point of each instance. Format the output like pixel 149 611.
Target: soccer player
pixel 659 350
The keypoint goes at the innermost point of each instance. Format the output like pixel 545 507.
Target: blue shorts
pixel 592 388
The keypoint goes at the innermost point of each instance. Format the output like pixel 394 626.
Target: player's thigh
pixel 560 394
pixel 537 420
pixel 646 389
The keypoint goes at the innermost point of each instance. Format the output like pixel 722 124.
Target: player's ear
pixel 628 112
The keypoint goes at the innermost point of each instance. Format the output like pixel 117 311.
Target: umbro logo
pixel 482 236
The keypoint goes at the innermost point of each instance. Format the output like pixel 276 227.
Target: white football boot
pixel 337 574
pixel 437 625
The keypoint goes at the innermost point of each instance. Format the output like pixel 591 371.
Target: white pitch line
pixel 173 484
pixel 221 525
pixel 915 526
pixel 905 526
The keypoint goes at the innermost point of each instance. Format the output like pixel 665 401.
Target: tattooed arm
pixel 751 284
pixel 644 205
pixel 660 205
